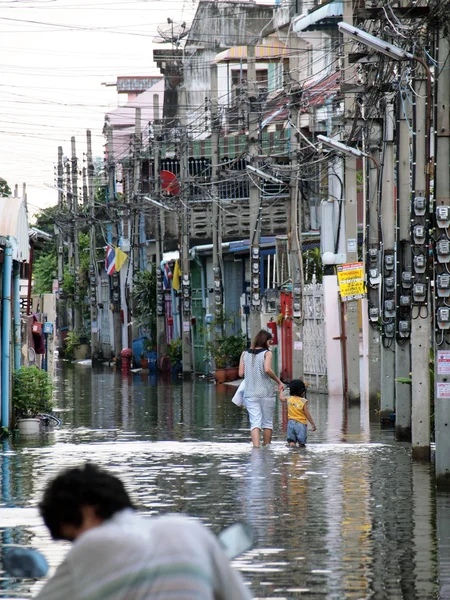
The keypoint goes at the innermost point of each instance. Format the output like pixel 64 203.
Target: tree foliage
pixel 5 190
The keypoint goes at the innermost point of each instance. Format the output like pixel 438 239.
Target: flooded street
pixel 349 517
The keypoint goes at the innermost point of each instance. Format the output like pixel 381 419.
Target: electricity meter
pixel 443 250
pixel 389 284
pixel 389 262
pixel 443 317
pixel 419 263
pixel 373 254
pixel 419 292
pixel 443 286
pixel 389 330
pixel 373 314
pixel 389 309
pixel 406 279
pixel 420 206
pixel 405 300
pixel 404 329
pixel 419 234
pixel 443 216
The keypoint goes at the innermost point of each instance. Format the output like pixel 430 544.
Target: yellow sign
pixel 351 281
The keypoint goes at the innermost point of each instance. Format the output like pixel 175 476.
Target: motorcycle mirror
pixel 236 539
pixel 25 563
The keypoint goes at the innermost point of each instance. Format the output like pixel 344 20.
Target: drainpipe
pixel 6 335
pixel 17 340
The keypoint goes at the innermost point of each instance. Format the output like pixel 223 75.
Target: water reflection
pixel 348 517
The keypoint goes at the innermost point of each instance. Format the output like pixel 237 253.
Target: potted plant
pixel 175 354
pixel 32 395
pixel 232 347
pixel 144 361
pixel 215 350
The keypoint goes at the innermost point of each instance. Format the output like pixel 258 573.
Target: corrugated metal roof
pixel 14 225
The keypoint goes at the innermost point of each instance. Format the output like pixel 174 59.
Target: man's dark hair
pixel 87 485
pixel 297 388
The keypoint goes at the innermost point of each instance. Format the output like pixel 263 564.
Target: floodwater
pixel 351 516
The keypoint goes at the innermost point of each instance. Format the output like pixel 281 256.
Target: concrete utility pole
pixel 186 271
pixel 112 238
pixel 404 279
pixel 70 261
pixel 296 213
pixel 93 270
pixel 255 200
pixel 442 187
pixel 373 288
pixel 421 318
pixel 216 212
pixel 160 229
pixel 388 311
pixel 136 216
pixel 76 240
pixel 60 249
pixel 351 329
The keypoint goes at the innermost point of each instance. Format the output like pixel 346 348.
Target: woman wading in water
pixel 259 395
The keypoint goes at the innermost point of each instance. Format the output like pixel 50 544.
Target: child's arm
pixel 281 395
pixel 309 417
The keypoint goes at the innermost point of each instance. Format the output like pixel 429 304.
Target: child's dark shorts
pixel 296 432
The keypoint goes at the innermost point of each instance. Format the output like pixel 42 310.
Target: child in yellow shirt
pixel 298 414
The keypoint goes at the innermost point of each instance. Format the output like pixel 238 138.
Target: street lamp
pixel 340 146
pixel 375 43
pixel 156 203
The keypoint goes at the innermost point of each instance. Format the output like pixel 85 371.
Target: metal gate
pixel 315 362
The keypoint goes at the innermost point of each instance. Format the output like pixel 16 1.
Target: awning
pixel 14 225
pixel 263 53
pixel 332 10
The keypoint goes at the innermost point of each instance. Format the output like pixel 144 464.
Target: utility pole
pixel 374 279
pixel 442 187
pixel 216 212
pixel 85 187
pixel 76 240
pixel 160 229
pixel 421 319
pixel 296 214
pixel 60 247
pixel 112 239
pixel 70 253
pixel 136 216
pixel 255 200
pixel 186 276
pixel 404 278
pixel 388 304
pixel 93 270
pixel 350 324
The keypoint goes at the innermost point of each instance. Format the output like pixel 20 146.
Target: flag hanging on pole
pixel 121 257
pixel 110 261
pixel 176 276
pixel 167 277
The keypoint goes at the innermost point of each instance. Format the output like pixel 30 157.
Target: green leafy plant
pixel 32 392
pixel 72 340
pixel 144 301
pixel 232 347
pixel 175 351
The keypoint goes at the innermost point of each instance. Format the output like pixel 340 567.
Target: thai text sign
pixel 351 281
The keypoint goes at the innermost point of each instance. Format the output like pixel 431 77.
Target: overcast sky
pixel 55 55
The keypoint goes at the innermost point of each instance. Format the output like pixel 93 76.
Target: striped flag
pixel 110 261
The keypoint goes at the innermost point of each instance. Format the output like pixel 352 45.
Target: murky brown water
pixel 349 517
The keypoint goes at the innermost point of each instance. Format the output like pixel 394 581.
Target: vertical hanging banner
pixel 351 281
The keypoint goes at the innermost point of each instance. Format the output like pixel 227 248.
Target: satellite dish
pixel 170 183
pixel 31 356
